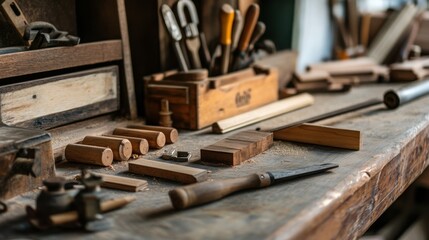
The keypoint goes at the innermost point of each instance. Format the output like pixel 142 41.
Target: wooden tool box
pixel 198 104
pixel 58 95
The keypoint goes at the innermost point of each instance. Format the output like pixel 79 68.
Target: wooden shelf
pixel 49 59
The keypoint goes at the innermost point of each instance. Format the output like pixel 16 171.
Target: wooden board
pixel 237 148
pixel 123 183
pixel 168 171
pixel 49 59
pixel 54 101
pixel 321 135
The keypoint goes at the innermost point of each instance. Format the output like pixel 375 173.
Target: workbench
pixel 340 204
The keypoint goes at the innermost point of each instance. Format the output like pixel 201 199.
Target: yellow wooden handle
pixel 226 22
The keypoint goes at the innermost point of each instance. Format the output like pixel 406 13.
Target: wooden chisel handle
pixel 251 18
pixel 395 98
pixel 226 21
pixel 237 27
pixel 200 193
pixel 257 34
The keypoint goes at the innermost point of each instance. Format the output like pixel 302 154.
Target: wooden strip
pixel 139 145
pixel 29 103
pixel 121 148
pixel 88 154
pixel 168 171
pixel 321 135
pixel 171 134
pixel 49 59
pixel 123 183
pixel 154 138
pixel 263 113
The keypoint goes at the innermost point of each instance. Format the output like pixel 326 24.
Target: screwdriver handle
pixel 200 193
pixel 237 27
pixel 251 18
pixel 226 21
pixel 395 98
pixel 257 34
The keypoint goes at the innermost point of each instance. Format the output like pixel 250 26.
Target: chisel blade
pixel 281 176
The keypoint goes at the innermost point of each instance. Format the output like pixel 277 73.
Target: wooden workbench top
pixel 340 204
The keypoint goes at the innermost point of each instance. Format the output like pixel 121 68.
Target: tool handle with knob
pixel 200 193
pixel 395 98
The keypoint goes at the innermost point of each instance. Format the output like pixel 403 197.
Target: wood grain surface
pixel 341 204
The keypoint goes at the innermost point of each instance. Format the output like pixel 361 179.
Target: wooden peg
pixel 80 153
pixel 122 148
pixel 140 145
pixel 165 114
pixel 171 134
pixel 155 139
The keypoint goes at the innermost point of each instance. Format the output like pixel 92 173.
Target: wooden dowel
pixel 121 148
pixel 155 139
pixel 89 154
pixel 140 145
pixel 171 134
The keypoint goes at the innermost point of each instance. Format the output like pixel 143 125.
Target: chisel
pixel 250 20
pixel 226 21
pixel 237 27
pixel 200 193
pixel 257 34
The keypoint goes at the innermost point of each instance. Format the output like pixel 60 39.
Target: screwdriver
pixel 226 21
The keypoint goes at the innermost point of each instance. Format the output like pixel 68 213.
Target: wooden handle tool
pixel 122 148
pixel 226 21
pixel 257 34
pixel 200 193
pixel 155 139
pixel 237 27
pixel 89 154
pixel 251 18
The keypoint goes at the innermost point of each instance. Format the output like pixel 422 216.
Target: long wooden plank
pixel 263 113
pixel 49 59
pixel 54 101
pixel 168 171
pixel 321 135
pixel 123 183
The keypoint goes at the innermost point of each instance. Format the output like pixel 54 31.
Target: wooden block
pixel 46 103
pixel 237 148
pixel 89 154
pixel 121 148
pixel 154 138
pixel 168 171
pixel 123 183
pixel 139 145
pixel 171 134
pixel 321 135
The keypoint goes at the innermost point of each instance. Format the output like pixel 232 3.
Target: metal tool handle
pixel 200 193
pixel 183 66
pixel 395 98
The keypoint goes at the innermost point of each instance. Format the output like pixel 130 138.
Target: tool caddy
pixel 198 104
pixel 54 96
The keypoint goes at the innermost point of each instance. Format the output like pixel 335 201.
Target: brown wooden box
pixel 196 105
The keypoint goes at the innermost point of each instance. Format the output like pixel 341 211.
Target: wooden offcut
pixel 155 139
pixel 122 183
pixel 171 134
pixel 168 171
pixel 263 113
pixel 237 148
pixel 122 148
pixel 410 70
pixel 321 135
pixel 139 145
pixel 89 154
pixel 61 99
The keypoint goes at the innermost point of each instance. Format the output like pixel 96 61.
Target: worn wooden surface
pixel 337 205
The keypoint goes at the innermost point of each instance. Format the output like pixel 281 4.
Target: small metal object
pixel 27 162
pixel 178 156
pixel 46 35
pixel 174 31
